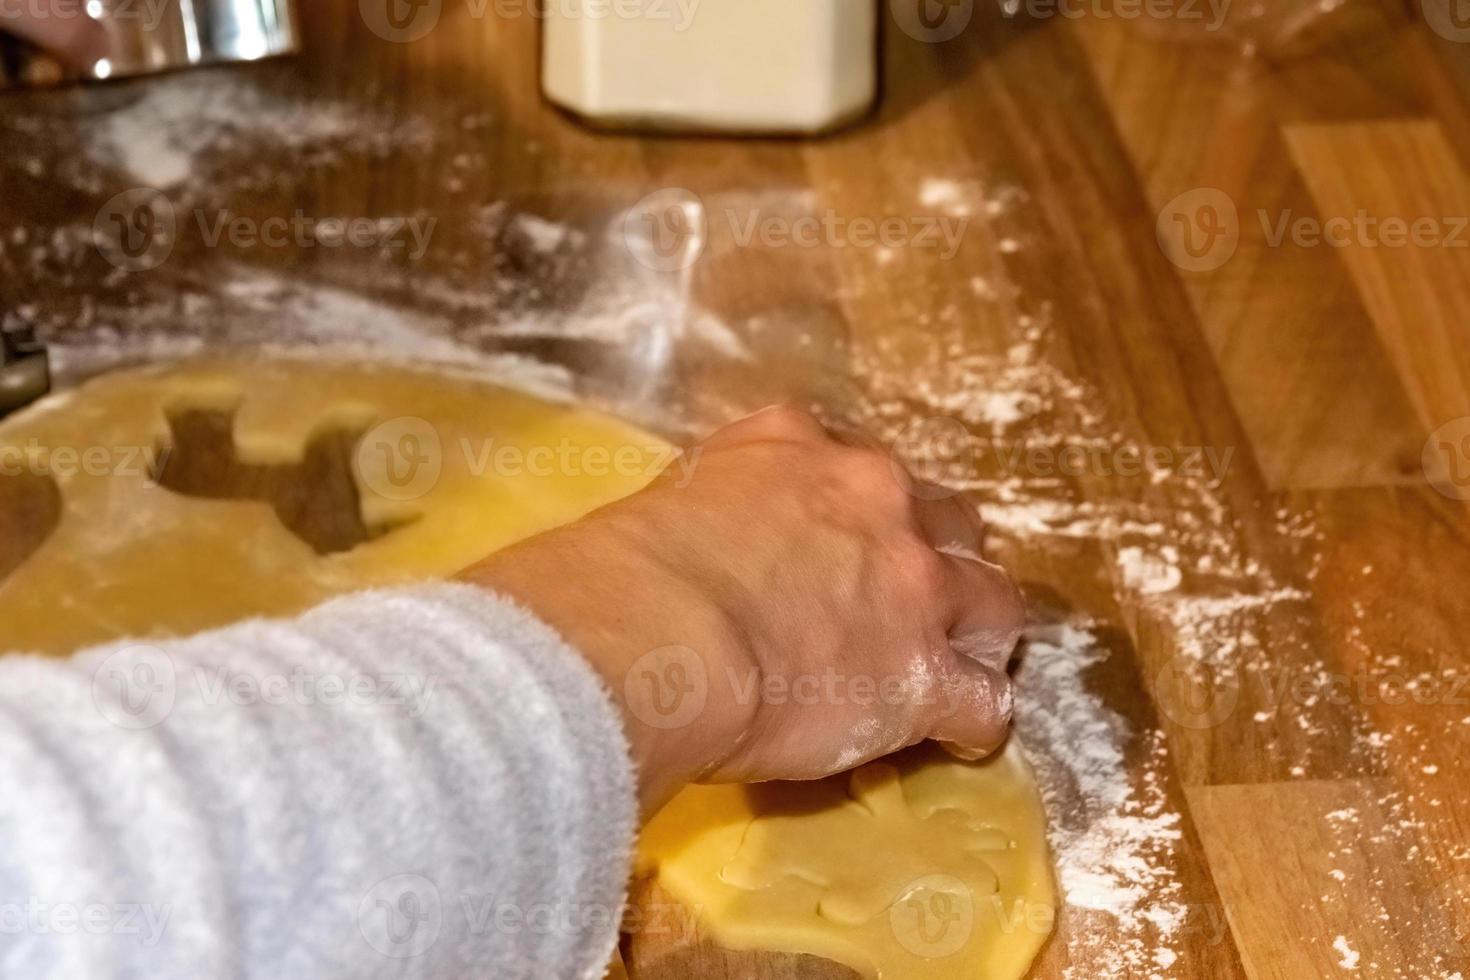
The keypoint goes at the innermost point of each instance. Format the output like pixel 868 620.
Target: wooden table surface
pixel 1319 584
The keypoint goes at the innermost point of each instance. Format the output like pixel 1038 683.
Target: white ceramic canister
pixel 745 66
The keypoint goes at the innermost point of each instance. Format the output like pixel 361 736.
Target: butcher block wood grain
pixel 1276 858
pixel 1143 261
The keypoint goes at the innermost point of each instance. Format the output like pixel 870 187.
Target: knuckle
pixel 1012 605
pixel 924 571
pixel 790 418
pixel 876 474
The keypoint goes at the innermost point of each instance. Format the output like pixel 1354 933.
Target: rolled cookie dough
pixel 914 867
pixel 917 867
pixel 455 468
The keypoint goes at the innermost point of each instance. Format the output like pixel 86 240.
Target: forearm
pixel 665 651
pixel 290 790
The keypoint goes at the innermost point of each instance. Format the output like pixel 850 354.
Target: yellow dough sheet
pixel 918 866
pixel 456 468
pixel 915 867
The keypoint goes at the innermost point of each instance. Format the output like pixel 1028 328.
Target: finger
pixel 987 612
pixel 66 32
pixel 778 423
pixel 950 525
pixel 976 714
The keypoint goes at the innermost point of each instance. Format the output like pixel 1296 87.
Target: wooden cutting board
pixel 1324 369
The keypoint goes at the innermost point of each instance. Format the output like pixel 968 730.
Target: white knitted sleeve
pixel 424 782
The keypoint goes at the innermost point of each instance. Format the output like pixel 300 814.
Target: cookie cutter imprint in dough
pixel 916 867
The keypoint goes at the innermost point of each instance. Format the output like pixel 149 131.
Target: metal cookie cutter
pixel 25 368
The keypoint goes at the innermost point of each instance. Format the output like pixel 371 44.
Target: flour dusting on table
pixel 1061 477
pixel 161 138
pixel 1112 830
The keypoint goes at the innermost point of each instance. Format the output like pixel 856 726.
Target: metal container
pixel 25 369
pixel 161 35
pixel 148 36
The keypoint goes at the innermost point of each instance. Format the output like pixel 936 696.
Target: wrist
pixel 666 652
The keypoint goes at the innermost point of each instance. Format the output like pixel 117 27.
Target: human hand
pixel 791 610
pixel 60 27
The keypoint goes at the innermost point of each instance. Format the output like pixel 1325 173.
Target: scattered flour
pixel 505 283
pixel 969 197
pixel 158 139
pixel 548 236
pixel 1150 573
pixel 1112 830
pixel 1349 955
pixel 953 198
pixel 1042 460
